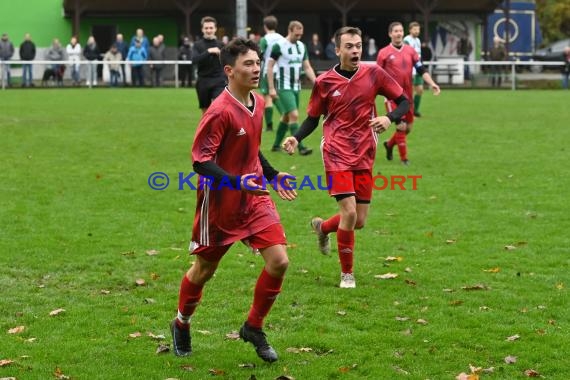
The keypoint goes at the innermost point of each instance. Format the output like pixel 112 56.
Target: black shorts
pixel 208 89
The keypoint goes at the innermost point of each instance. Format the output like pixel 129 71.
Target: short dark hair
pixel 270 22
pixel 236 47
pixel 345 30
pixel 206 19
pixel 394 24
pixel 413 24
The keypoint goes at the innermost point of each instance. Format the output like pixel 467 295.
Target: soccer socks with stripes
pixel 280 135
pixel 417 100
pixel 188 299
pixel 331 224
pixel 345 243
pixel 266 291
pixel 269 117
pixel 400 137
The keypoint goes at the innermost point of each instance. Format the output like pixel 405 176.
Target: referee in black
pixel 206 55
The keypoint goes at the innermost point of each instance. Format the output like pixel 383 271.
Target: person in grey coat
pixel 6 53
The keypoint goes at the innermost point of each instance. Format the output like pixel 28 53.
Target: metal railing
pixel 451 68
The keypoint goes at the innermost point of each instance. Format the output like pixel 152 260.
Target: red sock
pixel 345 242
pixel 400 137
pixel 267 289
pixel 189 297
pixel 331 224
pixel 392 140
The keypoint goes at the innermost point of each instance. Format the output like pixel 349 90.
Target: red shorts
pixel 357 182
pixel 408 117
pixel 270 236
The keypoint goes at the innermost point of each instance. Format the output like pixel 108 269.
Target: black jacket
pixel 27 51
pixel 209 65
pixel 91 52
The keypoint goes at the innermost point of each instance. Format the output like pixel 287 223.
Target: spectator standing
pixel 6 53
pixel 137 55
pixel 122 48
pixel 56 53
pixel 113 57
pixel 73 50
pixel 315 48
pixel 497 53
pixel 91 53
pixel 27 53
pixel 185 69
pixel 330 52
pixel 156 53
pixel 140 37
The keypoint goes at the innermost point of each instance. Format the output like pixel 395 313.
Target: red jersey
pixel 399 63
pixel 230 135
pixel 349 143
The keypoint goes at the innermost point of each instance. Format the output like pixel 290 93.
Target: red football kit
pixel 349 143
pixel 229 134
pixel 399 63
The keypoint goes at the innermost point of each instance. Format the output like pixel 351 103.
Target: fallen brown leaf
pixel 105 291
pixel 162 348
pixel 204 332
pixel 465 376
pixel 455 302
pixel 16 330
pixel 187 367
pixel 152 252
pixel 394 258
pixel 448 290
pixel 60 375
pixel 450 241
pixel 216 372
pixel 410 282
pixel 402 319
pixel 345 369
pixel 407 332
pixel 155 337
pixel 510 359
pixel 422 322
pixel 56 312
pixel 541 331
pixel 5 362
pixel 531 373
pixel 400 370
pixel 510 247
pixel 552 322
pixel 149 301
pixel 475 287
pixel 492 270
pixel 140 282
pixel 234 335
pixel 154 276
pixel 513 338
pixel 386 276
pixel 135 335
pixel 408 270
pixel 246 365
pixel 30 340
pixel 341 312
pixel 560 286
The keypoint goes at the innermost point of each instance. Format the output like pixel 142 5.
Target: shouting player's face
pixel 349 51
pixel 397 35
pixel 246 71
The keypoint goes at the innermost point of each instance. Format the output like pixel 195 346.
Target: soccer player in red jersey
pixel 235 206
pixel 346 95
pixel 399 60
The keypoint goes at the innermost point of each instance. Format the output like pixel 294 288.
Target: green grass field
pixel 77 219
